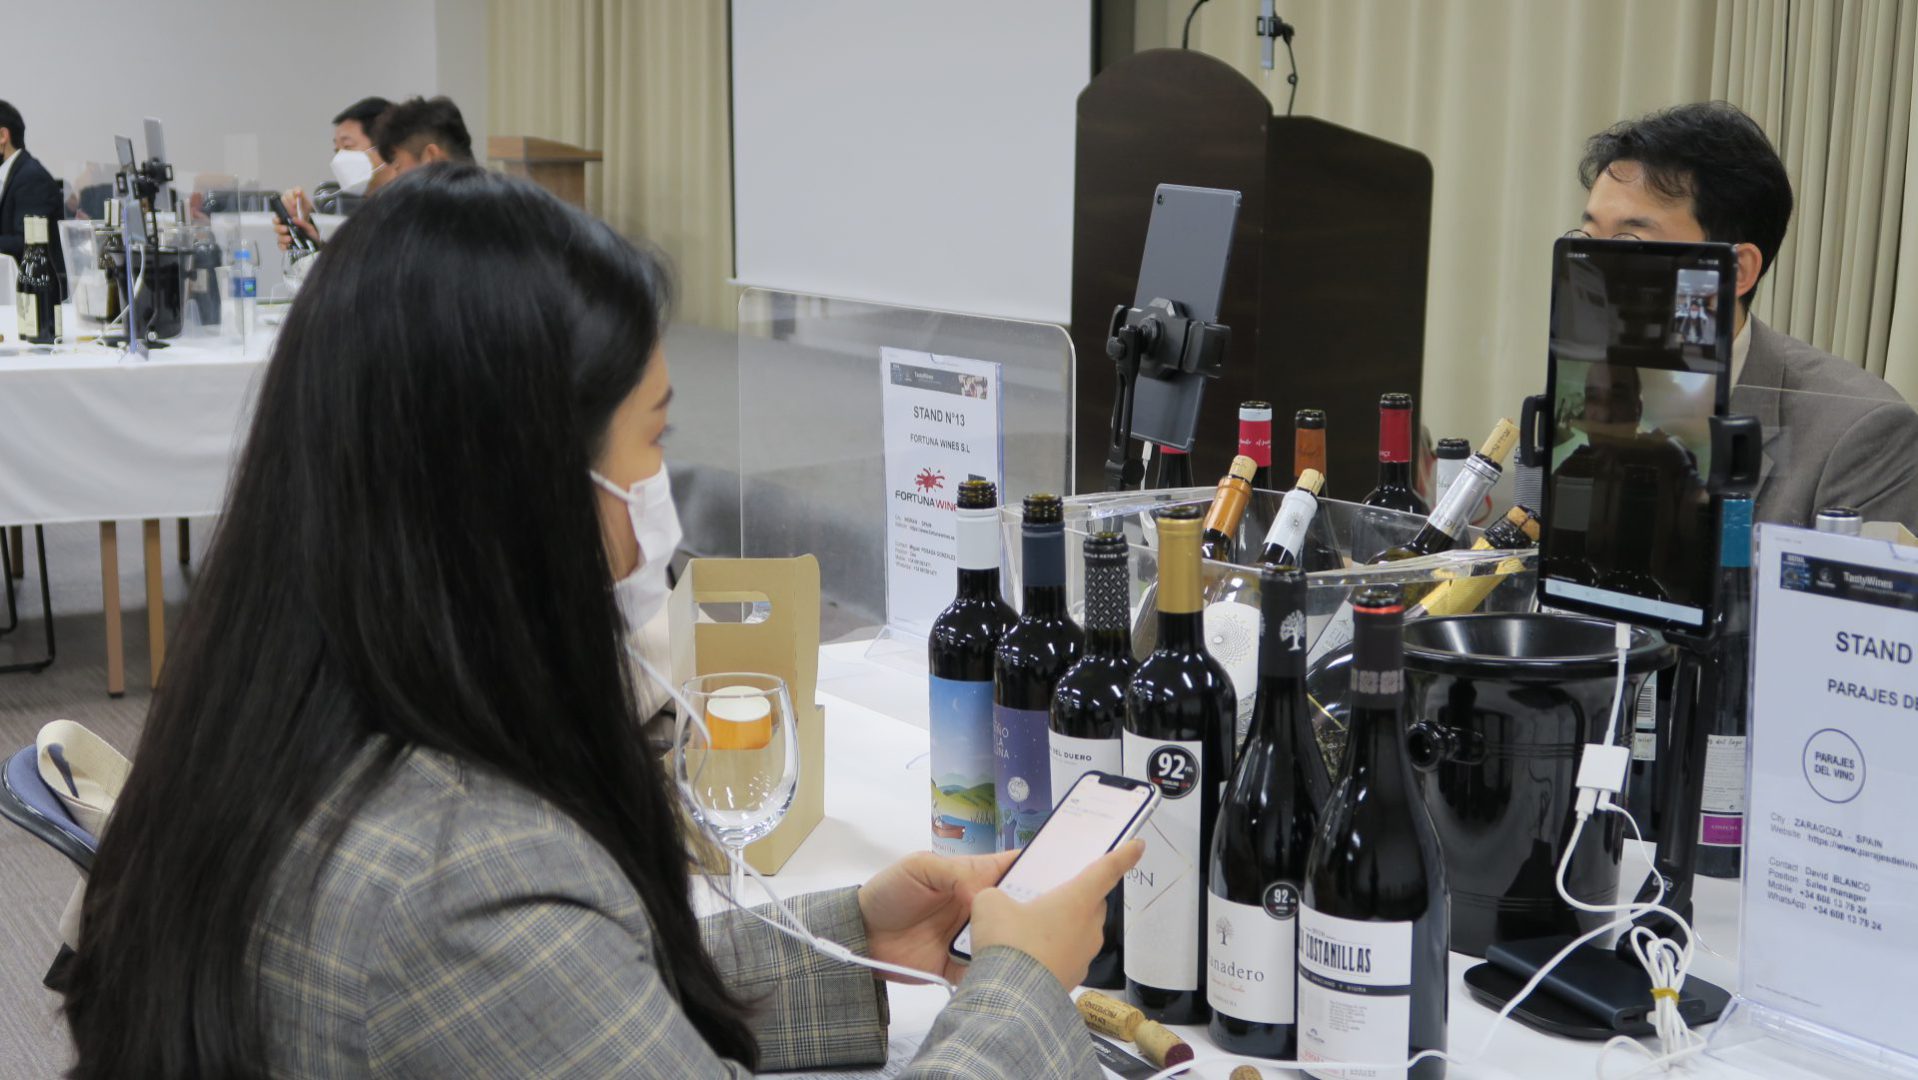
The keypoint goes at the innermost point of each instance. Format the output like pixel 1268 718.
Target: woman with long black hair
pixel 391 814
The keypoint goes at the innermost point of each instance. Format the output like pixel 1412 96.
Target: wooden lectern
pixel 555 166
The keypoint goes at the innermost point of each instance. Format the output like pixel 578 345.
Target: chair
pixel 7 556
pixel 27 801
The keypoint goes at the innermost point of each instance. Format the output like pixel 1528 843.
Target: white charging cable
pixel 689 714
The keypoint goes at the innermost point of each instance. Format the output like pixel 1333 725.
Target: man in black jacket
pixel 26 190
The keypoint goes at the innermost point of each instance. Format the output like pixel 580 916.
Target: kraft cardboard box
pixel 784 643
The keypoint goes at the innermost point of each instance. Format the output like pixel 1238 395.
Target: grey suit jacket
pixel 1835 434
pixel 463 927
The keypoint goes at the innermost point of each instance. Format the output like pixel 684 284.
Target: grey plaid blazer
pixel 463 927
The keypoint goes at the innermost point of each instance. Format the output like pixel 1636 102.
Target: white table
pixel 87 436
pixel 875 813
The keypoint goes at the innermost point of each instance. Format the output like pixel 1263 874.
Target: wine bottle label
pixel 965 812
pixel 27 315
pixel 1022 773
pixel 1255 435
pixel 1163 900
pixel 1296 512
pixel 1721 819
pixel 1475 478
pixel 1251 956
pixel 1232 637
pixel 1355 994
pixel 1645 721
pixel 1073 757
pixel 978 539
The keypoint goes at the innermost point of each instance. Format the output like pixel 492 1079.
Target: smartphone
pixel 1188 247
pixel 301 240
pixel 1640 364
pixel 1101 812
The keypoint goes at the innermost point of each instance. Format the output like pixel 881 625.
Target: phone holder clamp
pixel 1155 341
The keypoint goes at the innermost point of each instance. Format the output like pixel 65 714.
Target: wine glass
pixel 736 758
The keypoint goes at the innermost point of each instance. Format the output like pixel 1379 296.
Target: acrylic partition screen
pixel 857 423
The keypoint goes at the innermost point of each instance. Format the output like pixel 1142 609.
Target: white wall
pixel 271 71
pixel 910 153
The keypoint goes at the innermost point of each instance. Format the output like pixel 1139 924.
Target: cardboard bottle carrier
pixel 784 643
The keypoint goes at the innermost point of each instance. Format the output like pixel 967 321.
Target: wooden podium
pixel 555 166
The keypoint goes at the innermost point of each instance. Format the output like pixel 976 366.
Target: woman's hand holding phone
pixel 1062 929
pixel 914 907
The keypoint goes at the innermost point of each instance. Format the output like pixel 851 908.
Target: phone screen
pixel 1640 351
pixel 1094 818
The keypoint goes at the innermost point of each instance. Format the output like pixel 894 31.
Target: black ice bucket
pixel 1499 706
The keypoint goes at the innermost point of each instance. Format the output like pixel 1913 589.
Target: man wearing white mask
pixel 355 162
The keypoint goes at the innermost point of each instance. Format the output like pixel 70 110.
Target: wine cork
pixel 1162 1047
pixel 1246 1072
pixel 1109 1016
pixel 1498 446
pixel 1312 480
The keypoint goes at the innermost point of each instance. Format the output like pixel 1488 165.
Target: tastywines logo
pixel 1325 952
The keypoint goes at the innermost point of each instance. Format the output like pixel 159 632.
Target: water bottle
pixel 246 287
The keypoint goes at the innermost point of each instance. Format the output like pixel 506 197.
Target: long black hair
pixel 410 556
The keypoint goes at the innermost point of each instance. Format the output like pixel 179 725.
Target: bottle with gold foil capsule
pixel 1219 540
pixel 1178 731
pixel 1517 531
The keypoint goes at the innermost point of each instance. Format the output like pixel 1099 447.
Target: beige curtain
pixel 646 82
pixel 1831 82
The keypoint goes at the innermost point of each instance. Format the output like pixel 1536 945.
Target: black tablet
pixel 1640 362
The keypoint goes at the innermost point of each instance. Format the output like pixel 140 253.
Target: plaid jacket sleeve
pixel 526 953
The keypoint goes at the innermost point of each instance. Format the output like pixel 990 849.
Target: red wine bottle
pixel 1373 931
pixel 1266 827
pixel 1172 469
pixel 1088 713
pixel 1394 491
pixel 1178 737
pixel 965 637
pixel 1255 440
pixel 1031 657
pixel 36 302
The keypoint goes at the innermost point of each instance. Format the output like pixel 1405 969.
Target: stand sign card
pixel 1830 922
pixel 942 418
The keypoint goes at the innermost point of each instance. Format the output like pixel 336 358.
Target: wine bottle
pixel 1308 447
pixel 1450 520
pixel 1517 531
pixel 1255 440
pixel 1448 461
pixel 1031 657
pixel 1088 714
pixel 36 304
pixel 1721 823
pixel 1641 785
pixel 1173 469
pixel 1374 924
pixel 1179 709
pixel 1394 491
pixel 1219 541
pixel 1285 541
pixel 960 652
pixel 1266 826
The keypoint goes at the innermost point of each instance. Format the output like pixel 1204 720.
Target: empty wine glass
pixel 736 758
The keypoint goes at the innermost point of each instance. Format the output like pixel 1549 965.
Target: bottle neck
pixel 1255 439
pixel 1180 578
pixel 1448 519
pixel 979 584
pixel 1108 602
pixel 1377 740
pixel 1308 450
pixel 1395 438
pixel 1044 549
pixel 1395 474
pixel 978 551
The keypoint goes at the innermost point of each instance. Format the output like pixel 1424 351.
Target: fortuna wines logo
pixel 929 480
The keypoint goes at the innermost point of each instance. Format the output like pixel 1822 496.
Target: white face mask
pixel 649 504
pixel 354 170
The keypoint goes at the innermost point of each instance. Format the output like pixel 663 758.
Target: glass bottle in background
pixel 1721 822
pixel 1448 459
pixel 1308 446
pixel 1842 520
pixel 1517 531
pixel 1171 468
pixel 1031 657
pixel 960 651
pixel 1285 541
pixel 1088 713
pixel 1178 731
pixel 1255 440
pixel 1374 924
pixel 1394 490
pixel 1266 826
pixel 1452 518
pixel 1219 540
pixel 36 302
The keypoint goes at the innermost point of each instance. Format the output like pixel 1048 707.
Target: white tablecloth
pixel 85 436
pixel 875 813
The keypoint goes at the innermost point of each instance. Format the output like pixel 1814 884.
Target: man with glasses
pixel 1835 434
